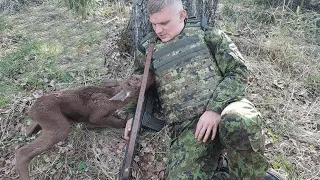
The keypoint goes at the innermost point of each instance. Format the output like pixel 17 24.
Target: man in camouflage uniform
pixel 201 80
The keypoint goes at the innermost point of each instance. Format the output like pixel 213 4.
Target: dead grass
pixel 282 48
pixel 151 159
pixel 283 57
pixel 69 52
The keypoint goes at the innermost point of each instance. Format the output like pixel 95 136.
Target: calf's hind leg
pixel 33 129
pixel 45 141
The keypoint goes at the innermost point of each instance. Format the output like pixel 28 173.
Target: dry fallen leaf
pixel 278 84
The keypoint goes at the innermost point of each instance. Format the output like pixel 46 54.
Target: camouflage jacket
pixel 198 70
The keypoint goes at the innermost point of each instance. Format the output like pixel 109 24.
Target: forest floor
pixel 45 47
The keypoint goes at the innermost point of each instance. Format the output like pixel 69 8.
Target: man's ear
pixel 183 15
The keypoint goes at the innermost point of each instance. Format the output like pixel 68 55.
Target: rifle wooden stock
pixel 127 165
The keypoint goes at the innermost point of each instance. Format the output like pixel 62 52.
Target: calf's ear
pixel 121 96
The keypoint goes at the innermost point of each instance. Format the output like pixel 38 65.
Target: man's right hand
pixel 127 129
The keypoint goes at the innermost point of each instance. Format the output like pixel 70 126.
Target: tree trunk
pixel 139 24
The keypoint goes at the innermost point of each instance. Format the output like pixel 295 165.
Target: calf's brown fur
pixel 93 104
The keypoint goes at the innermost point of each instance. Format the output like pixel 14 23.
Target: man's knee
pixel 241 127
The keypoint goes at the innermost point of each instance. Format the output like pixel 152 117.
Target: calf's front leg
pixel 102 118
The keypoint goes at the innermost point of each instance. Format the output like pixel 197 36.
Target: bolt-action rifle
pixel 143 113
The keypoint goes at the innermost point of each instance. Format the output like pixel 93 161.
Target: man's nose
pixel 158 29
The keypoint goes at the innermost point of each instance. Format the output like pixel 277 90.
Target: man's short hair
pixel 155 6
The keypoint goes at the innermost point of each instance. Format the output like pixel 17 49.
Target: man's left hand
pixel 207 125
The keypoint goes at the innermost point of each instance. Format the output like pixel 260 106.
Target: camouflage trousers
pixel 239 135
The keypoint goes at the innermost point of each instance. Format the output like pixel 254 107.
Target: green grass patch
pixel 2 25
pixel 81 166
pixel 283 163
pixel 31 65
pixel 290 22
pixel 50 49
pixel 82 7
pixel 303 25
pixel 91 39
pixel 5 91
pixel 67 76
pixel 18 61
pixel 312 83
pixel 273 136
pixel 4 88
pixel 250 17
pixel 3 101
pixel 292 4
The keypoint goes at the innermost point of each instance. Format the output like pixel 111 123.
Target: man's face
pixel 167 23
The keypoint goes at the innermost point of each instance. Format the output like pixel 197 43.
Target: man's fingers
pixel 126 133
pixel 208 132
pixel 199 126
pixel 202 132
pixel 127 129
pixel 214 131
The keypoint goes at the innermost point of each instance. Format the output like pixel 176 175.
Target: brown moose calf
pixel 93 104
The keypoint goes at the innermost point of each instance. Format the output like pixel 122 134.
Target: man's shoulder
pixel 214 35
pixel 213 32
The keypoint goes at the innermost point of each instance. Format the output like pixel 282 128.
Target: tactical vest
pixel 186 73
